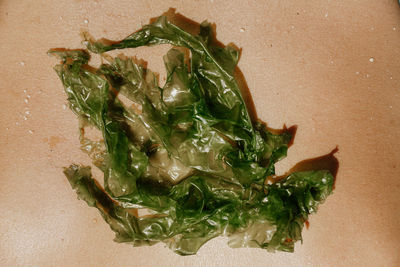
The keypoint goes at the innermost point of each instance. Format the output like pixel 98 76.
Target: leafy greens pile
pixel 183 163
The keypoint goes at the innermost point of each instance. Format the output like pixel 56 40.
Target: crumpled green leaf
pixel 187 154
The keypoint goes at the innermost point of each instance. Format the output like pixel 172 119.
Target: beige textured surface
pixel 305 64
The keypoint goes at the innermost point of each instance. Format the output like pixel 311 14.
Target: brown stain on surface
pixel 53 141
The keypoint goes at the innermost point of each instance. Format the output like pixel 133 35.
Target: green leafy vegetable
pixel 187 153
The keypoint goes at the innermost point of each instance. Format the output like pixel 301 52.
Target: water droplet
pixel 25 118
pixel 242 29
pixel 390 106
pixel 331 62
pixel 371 59
pixel 292 27
pixel 326 15
pixel 394 28
pixel 94 220
pixel 86 21
pixel 27 112
pixel 24 91
pixel 40 91
pixel 370 118
pixel 26 100
pixel 391 78
pixel 30 131
pixel 357 72
pixel 7 128
pixel 64 107
pixel 17 123
pixel 22 63
pixel 28 96
pixel 372 28
pixel 367 75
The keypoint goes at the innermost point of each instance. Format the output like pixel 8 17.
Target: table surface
pixel 330 67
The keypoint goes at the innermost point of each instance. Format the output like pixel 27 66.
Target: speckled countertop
pixel 330 67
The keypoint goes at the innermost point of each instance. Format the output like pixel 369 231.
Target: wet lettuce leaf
pixel 182 163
